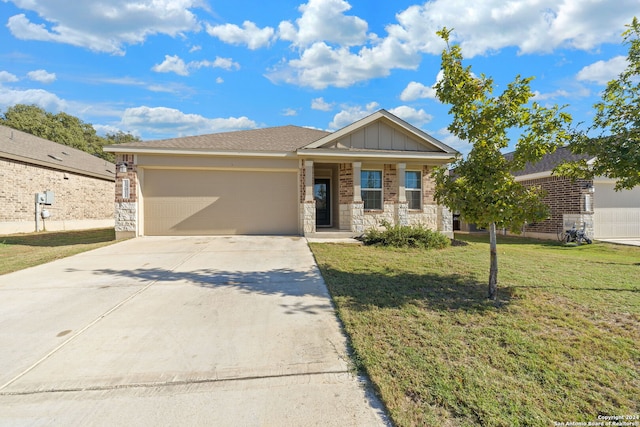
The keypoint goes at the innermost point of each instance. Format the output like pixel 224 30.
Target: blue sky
pixel 169 68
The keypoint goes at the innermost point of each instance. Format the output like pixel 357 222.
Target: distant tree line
pixel 62 128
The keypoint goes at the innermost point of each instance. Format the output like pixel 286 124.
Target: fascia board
pixel 400 156
pixel 538 175
pixel 174 152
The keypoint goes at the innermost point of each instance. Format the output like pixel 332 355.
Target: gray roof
pixel 549 161
pixel 274 139
pixel 28 148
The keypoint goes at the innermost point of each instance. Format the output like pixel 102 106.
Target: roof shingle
pixel 549 161
pixel 25 147
pixel 274 139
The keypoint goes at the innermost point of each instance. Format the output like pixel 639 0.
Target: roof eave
pixel 333 154
pixel 63 168
pixel 197 152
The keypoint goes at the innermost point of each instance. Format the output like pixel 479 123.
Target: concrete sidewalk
pixel 177 331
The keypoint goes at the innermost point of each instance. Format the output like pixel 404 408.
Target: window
pixel 125 189
pixel 413 189
pixel 371 189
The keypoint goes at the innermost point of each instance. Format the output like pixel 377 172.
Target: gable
pixel 380 136
pixel 380 132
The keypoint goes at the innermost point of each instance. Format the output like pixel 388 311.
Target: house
pixel 281 180
pixel 606 214
pixel 76 188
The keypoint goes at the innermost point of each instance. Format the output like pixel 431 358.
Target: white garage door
pixel 616 213
pixel 199 202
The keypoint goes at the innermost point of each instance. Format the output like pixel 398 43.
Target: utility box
pixel 45 198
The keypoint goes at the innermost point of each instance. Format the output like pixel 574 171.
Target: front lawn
pixel 561 344
pixel 18 251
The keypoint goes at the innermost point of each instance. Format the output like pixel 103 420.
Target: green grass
pixel 18 251
pixel 561 344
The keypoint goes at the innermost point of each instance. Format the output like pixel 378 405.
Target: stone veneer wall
pixel 80 202
pixel 353 217
pixel 126 217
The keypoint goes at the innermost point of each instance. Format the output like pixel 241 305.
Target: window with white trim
pixel 371 189
pixel 413 189
pixel 126 192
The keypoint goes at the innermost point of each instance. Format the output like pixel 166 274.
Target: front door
pixel 322 194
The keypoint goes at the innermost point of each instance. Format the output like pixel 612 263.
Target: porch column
pixel 357 168
pixel 357 207
pixel 308 180
pixel 309 205
pixel 402 211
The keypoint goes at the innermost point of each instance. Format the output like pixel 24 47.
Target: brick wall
pixel 390 183
pixel 428 187
pixel 76 197
pixel 346 183
pixel 563 197
pixel 130 174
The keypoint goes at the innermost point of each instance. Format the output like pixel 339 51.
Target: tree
pixel 482 187
pixel 62 128
pixel 617 122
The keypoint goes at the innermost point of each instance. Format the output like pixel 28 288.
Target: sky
pixel 170 68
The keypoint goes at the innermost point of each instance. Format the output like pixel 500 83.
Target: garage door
pixel 616 213
pixel 199 202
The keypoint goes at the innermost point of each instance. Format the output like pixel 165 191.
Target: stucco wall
pixel 80 202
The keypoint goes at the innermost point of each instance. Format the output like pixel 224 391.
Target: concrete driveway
pixel 177 331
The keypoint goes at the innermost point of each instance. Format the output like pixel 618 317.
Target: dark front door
pixel 322 194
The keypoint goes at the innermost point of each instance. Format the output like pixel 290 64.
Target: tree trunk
pixel 493 270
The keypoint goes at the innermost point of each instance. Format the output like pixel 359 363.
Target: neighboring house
pixel 282 180
pixel 594 203
pixel 79 186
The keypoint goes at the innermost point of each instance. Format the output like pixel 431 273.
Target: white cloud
pixel 336 49
pixel 39 97
pixel 7 77
pixel 174 64
pixel 602 72
pixel 533 26
pixel 560 93
pixel 249 35
pixel 443 135
pixel 224 63
pixel 417 118
pixel 321 65
pixel 103 130
pixel 415 90
pixel 289 112
pixel 195 49
pixel 42 76
pixel 162 120
pixel 352 114
pixel 324 21
pixel 320 105
pixel 219 80
pixel 103 26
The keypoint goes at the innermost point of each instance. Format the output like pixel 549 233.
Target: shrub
pixel 405 236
